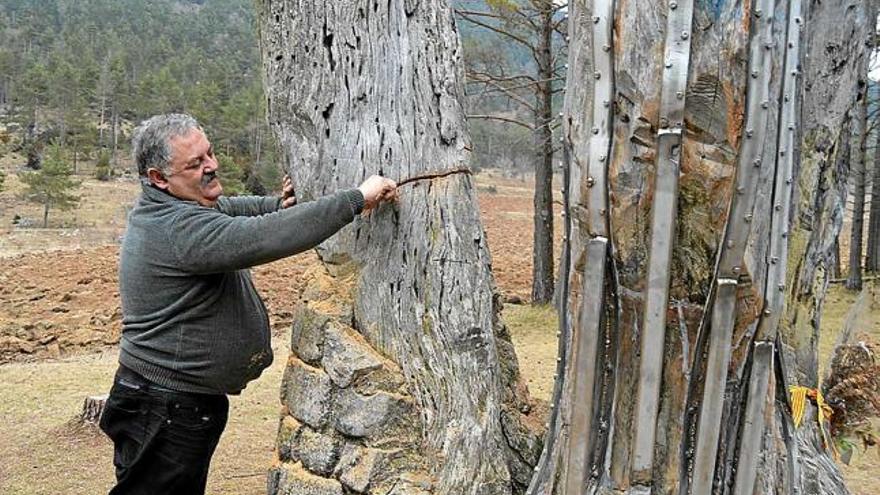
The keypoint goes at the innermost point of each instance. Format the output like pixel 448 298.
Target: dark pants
pixel 162 440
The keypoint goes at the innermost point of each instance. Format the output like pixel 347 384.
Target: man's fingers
pixel 287 187
pixel 288 197
pixel 389 190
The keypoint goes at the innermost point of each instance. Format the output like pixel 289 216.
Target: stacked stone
pixel 349 425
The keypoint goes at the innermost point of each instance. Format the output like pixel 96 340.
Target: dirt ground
pixel 60 321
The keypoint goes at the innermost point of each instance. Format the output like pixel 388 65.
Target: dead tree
pixel 707 178
pixel 531 26
pixel 402 378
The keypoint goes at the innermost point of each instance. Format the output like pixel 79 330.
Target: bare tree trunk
pixel 101 122
pixel 857 169
pixel 402 378
pixel 696 293
pixel 115 137
pixel 834 262
pixel 76 155
pixel 872 263
pixel 542 253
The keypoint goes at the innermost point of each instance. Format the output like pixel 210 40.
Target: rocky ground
pixel 63 300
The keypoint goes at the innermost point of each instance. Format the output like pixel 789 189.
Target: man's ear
pixel 157 178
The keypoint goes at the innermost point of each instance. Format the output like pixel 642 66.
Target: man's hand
pixel 376 190
pixel 288 198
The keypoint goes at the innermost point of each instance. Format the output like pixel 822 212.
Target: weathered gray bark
pixel 402 378
pixel 749 165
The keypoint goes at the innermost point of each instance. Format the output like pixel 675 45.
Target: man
pixel 194 327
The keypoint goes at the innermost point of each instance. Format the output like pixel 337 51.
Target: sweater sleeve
pixel 248 206
pixel 208 241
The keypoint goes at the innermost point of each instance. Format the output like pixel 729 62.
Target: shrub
pixel 102 168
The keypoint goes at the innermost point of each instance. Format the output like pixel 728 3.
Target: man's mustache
pixel 208 177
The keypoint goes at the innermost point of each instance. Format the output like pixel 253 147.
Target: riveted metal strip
pixel 753 419
pixel 585 356
pixel 753 138
pixel 602 122
pixel 676 63
pixel 656 301
pixel 723 308
pixel 723 317
pixel 777 262
pixel 542 470
pixel 664 209
pixel 583 380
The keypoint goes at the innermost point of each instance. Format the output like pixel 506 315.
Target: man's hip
pixel 163 439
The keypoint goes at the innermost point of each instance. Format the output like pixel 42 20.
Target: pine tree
pixel 231 175
pixel 102 168
pixel 52 186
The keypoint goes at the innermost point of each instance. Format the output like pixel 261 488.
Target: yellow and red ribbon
pixel 799 396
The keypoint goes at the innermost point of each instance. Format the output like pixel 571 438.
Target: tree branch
pixel 510 93
pixel 500 118
pixel 527 19
pixel 500 78
pixel 533 82
pixel 468 17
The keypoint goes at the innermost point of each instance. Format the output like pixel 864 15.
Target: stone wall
pixel 348 421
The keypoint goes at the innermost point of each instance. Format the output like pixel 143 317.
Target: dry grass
pixel 863 473
pixel 43 453
pixel 99 218
pixel 533 331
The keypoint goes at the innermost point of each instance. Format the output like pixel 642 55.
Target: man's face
pixel 193 170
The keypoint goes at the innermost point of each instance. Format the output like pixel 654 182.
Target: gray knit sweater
pixel 192 319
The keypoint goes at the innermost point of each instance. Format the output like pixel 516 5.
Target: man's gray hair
pixel 150 143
